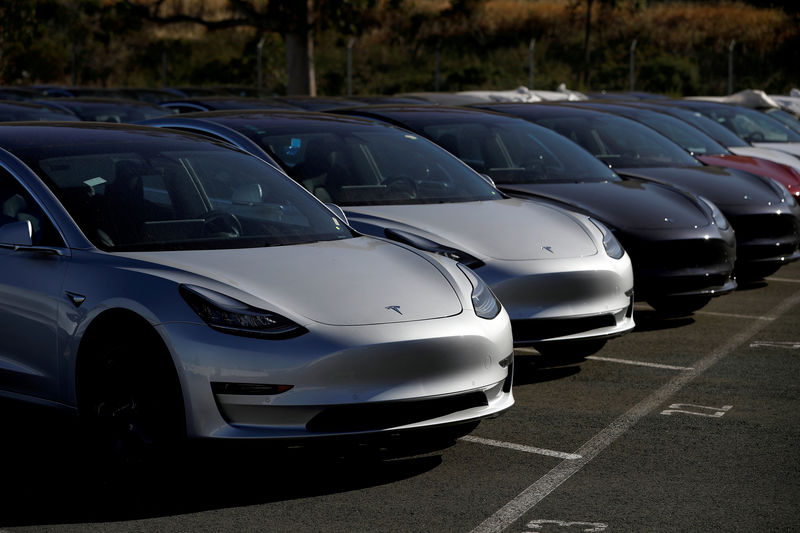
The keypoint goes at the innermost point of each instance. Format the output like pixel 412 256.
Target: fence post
pixel 350 44
pixel 164 67
pixel 437 71
pixel 730 66
pixel 632 63
pixel 74 64
pixel 259 66
pixel 531 46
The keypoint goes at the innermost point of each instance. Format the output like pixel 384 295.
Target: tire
pixel 570 350
pixel 130 402
pixel 677 306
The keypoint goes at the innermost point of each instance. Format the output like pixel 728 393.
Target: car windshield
pixel 516 151
pixel 370 164
pixel 161 196
pixel 18 113
pixel 125 114
pixel 787 119
pixel 750 125
pixel 681 133
pixel 706 125
pixel 620 142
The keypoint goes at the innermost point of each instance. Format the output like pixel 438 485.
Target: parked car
pixel 17 111
pixel 764 216
pixel 215 103
pixel 563 277
pixel 702 146
pixel 723 135
pixel 681 257
pixel 755 127
pixel 19 93
pixel 317 103
pixel 119 110
pixel 163 285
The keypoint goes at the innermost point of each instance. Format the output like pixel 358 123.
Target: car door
pixel 31 278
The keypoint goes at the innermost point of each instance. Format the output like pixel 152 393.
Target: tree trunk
pixel 300 56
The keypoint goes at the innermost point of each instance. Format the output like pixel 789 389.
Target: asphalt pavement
pixel 685 424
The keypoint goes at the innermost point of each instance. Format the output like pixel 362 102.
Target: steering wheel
pixel 221 224
pixel 401 186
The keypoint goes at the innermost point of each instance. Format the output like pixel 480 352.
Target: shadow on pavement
pixel 532 368
pixel 48 478
pixel 648 320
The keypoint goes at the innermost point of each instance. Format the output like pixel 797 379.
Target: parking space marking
pixel 733 315
pixel 783 280
pixel 521 448
pixel 541 488
pixel 787 345
pixel 638 363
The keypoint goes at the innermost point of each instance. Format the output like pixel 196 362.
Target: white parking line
pixel 540 489
pixel 732 315
pixel 638 363
pixel 521 448
pixel 783 280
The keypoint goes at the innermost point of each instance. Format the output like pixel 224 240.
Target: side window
pixel 17 205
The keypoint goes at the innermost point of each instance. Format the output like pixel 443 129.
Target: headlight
pixel 716 214
pixel 228 315
pixel 783 192
pixel 613 248
pixel 427 245
pixel 483 299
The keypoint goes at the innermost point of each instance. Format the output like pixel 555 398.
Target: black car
pixel 13 111
pixel 681 256
pixel 118 110
pixel 764 215
pixel 218 103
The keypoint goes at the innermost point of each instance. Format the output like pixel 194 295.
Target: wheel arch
pixel 113 324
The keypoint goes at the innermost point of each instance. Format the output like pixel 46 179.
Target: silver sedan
pixel 165 286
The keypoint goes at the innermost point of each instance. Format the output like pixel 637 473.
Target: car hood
pixel 791 147
pixel 507 230
pixel 723 186
pixel 347 282
pixel 755 165
pixel 768 153
pixel 628 203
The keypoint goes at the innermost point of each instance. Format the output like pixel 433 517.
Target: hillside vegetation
pixel 681 48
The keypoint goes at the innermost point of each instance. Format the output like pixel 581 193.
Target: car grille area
pixel 545 328
pixel 384 415
pixel 763 237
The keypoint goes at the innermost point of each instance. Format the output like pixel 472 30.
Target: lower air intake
pixel 383 415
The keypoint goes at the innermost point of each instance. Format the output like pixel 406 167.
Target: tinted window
pixel 751 125
pixel 620 142
pixel 151 196
pixel 357 164
pixel 686 136
pixel 17 205
pixel 518 152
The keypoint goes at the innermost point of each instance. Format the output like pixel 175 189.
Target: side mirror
pixel 338 211
pixel 17 233
pixel 488 179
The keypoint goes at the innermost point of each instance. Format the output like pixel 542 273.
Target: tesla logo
pixel 548 248
pixel 395 308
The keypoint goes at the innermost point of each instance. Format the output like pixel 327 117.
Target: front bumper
pixel 336 373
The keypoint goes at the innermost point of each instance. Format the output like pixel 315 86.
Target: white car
pixel 163 286
pixel 564 279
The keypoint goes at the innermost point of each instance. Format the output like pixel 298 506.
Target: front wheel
pixel 130 401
